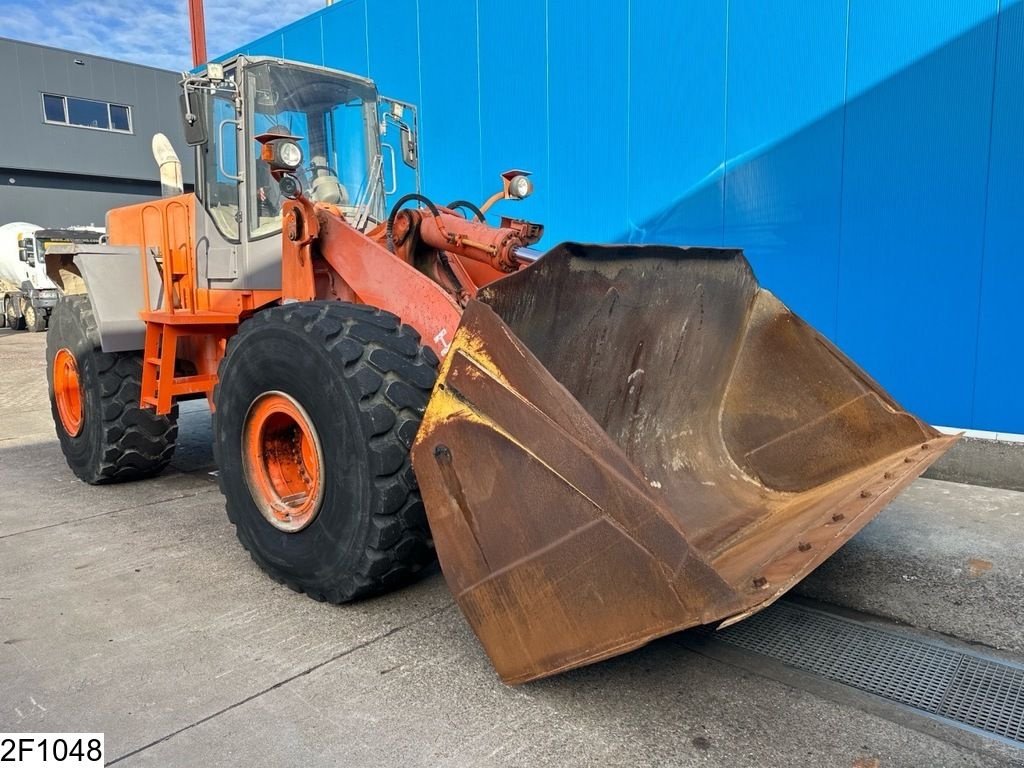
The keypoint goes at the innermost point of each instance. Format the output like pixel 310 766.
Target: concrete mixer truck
pixel 27 295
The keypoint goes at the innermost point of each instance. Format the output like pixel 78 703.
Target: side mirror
pixel 26 252
pixel 193 115
pixel 410 150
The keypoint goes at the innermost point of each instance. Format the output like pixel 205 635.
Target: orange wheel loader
pixel 601 444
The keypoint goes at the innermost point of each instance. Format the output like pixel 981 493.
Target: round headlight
pixel 520 187
pixel 289 153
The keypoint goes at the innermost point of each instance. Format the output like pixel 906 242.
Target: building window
pixel 120 118
pixel 53 109
pixel 87 113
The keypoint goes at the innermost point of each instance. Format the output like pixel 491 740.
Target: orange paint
pixel 300 229
pixel 283 461
pixel 381 279
pixel 164 231
pixel 322 257
pixel 67 391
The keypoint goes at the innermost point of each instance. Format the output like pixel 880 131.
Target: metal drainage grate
pixel 970 690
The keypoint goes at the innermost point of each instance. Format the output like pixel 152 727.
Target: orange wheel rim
pixel 283 461
pixel 67 391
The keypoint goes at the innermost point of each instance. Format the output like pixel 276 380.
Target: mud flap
pixel 626 441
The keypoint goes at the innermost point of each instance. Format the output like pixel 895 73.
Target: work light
pixel 289 154
pixel 520 187
pixel 283 154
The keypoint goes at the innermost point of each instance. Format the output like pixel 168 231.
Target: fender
pixel 112 277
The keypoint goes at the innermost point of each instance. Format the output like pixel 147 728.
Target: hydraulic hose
pixel 398 206
pixel 469 207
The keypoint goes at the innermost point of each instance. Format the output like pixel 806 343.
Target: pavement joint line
pixel 108 512
pixel 23 435
pixel 319 665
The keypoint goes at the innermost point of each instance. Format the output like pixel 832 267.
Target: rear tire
pixel 356 382
pixel 14 319
pixel 105 435
pixel 35 321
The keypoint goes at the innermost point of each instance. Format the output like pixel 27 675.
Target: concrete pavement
pixel 133 611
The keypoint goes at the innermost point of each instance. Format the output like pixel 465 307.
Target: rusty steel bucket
pixel 625 441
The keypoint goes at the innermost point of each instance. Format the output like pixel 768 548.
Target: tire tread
pixel 136 443
pixel 378 353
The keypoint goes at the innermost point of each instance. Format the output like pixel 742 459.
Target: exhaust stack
pixel 170 166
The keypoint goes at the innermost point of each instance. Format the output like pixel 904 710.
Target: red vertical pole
pixel 197 28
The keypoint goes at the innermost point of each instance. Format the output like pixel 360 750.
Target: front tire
pixel 35 321
pixel 317 406
pixel 105 435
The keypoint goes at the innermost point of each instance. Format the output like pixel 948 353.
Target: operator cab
pixel 338 122
pixel 333 114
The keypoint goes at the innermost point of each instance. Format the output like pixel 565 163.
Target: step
pixel 186 385
pixel 183 317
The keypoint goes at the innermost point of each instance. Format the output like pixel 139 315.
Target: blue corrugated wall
pixel 867 154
